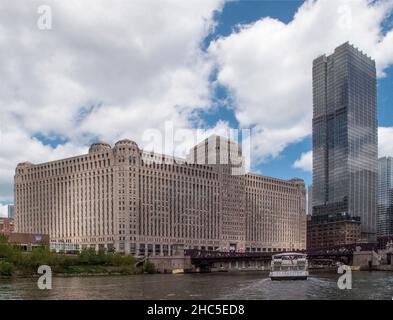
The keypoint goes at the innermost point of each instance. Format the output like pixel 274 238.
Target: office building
pixel 385 197
pixel 345 141
pixel 309 200
pixel 10 211
pixel 144 203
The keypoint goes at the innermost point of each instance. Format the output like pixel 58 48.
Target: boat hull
pixel 288 278
pixel 288 275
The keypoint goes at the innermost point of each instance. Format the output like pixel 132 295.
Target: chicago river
pixel 231 285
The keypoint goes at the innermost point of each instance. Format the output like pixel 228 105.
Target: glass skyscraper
pixel 10 211
pixel 385 197
pixel 345 146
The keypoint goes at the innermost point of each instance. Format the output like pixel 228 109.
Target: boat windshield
pixel 293 256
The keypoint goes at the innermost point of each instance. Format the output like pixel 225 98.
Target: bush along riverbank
pixel 14 262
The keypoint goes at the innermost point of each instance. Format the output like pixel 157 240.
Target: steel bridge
pixel 335 254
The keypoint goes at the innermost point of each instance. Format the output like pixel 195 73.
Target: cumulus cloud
pixel 3 211
pixel 106 72
pixel 304 162
pixel 17 146
pixel 267 65
pixel 103 72
pixel 385 149
pixel 385 141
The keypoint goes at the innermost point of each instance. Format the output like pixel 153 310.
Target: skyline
pixel 204 94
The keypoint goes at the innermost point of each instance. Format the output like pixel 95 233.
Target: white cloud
pixel 3 210
pixel 112 71
pixel 267 65
pixel 304 162
pixel 385 148
pixel 385 141
pixel 105 71
pixel 17 146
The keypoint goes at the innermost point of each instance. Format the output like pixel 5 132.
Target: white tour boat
pixel 289 266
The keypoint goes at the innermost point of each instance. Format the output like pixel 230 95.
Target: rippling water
pixel 366 285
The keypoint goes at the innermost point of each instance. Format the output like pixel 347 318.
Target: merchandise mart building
pixel 133 201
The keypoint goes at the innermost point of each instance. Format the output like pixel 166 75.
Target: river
pixel 365 285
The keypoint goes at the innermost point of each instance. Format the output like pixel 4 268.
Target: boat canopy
pixel 289 254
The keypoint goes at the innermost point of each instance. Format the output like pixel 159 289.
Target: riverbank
pixel 14 262
pixel 78 271
pixel 27 266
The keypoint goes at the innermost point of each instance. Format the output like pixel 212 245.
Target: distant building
pixel 10 211
pixel 144 203
pixel 345 154
pixel 6 225
pixel 385 197
pixel 309 200
pixel 28 241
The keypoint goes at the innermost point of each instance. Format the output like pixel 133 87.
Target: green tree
pixel 87 256
pixel 7 251
pixel 40 256
pixel 6 268
pixel 3 239
pixel 148 267
pixel 118 259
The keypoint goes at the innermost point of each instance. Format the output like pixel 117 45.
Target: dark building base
pixel 323 232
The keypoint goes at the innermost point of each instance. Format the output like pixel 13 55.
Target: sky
pixel 99 72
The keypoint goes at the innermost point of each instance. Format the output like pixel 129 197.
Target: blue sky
pixel 247 12
pixel 206 64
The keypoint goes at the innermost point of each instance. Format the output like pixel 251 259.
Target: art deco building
pixel 385 197
pixel 345 141
pixel 144 203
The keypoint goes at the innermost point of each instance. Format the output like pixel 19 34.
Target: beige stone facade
pixel 144 203
pixel 275 214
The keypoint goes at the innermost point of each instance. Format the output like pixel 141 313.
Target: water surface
pixel 366 285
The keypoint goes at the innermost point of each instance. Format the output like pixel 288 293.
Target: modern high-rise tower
pixel 10 211
pixel 309 200
pixel 345 146
pixel 385 197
